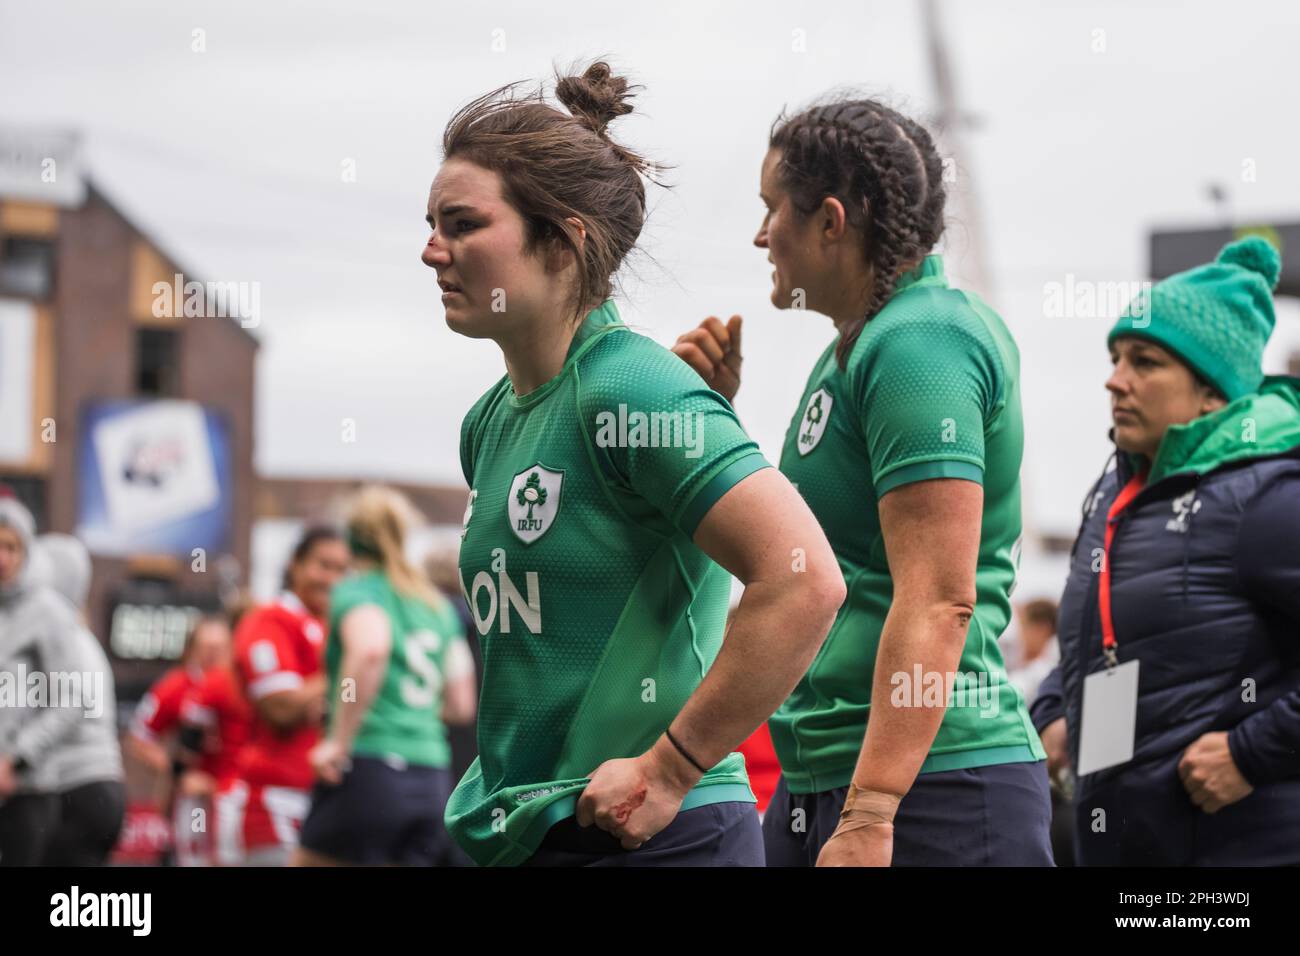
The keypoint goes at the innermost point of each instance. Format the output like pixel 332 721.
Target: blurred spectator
pixel 399 671
pixel 86 765
pixel 38 636
pixel 215 722
pixel 1033 652
pixel 153 737
pixel 278 661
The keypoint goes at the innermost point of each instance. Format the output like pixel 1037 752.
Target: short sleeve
pixel 265 659
pixel 148 717
pixel 925 388
pixel 350 594
pixel 663 432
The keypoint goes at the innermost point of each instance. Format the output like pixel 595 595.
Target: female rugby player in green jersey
pixel 906 444
pixel 397 667
pixel 606 480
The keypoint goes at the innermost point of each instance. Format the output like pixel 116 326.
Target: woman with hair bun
pixel 906 444
pixel 397 667
pixel 606 481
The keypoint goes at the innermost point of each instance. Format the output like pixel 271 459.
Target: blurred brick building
pixel 84 340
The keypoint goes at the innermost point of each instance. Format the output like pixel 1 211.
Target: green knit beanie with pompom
pixel 1216 318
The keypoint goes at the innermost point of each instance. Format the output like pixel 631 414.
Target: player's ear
pixel 580 229
pixel 834 221
pixel 560 254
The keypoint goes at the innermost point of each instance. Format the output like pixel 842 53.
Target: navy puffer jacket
pixel 1205 592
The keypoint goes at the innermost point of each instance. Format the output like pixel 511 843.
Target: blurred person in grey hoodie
pixel 41 697
pixel 85 767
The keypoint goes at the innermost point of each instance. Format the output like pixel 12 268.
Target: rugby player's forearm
pixel 367 668
pixel 288 709
pixel 901 730
pixel 774 636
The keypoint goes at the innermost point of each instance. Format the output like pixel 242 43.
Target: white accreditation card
pixel 1110 700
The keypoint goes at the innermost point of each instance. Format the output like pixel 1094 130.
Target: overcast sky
pixel 1095 122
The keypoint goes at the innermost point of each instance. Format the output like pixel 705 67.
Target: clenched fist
pixel 713 350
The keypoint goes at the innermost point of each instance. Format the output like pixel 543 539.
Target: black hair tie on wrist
pixel 682 750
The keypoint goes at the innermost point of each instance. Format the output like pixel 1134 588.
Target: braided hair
pixel 884 168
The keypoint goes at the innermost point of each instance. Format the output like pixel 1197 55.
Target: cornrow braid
pixel 885 170
pixel 936 194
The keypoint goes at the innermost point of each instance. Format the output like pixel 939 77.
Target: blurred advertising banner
pixel 154 479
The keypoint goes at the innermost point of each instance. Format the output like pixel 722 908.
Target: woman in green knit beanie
pixel 1186 573
pixel 1192 344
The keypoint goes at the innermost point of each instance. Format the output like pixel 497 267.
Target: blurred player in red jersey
pixel 278 662
pixel 216 719
pixel 157 722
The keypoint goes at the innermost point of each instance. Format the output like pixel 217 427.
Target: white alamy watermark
pixel 922 688
pixel 1086 299
pixel 39 690
pixel 637 429
pixel 208 300
pixel 75 908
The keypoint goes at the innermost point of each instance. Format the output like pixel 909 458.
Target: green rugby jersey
pixel 931 391
pixel 598 616
pixel 428 650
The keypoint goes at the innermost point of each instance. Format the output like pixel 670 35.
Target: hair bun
pixel 596 97
pixel 1256 254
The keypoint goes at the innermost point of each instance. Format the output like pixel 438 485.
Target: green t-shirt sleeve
pixel 660 431
pixel 925 386
pixel 350 594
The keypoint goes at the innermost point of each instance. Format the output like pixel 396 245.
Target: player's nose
pixel 435 254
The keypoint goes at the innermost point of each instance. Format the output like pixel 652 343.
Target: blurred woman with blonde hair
pixel 397 668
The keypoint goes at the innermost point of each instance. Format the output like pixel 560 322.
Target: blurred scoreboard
pixel 147 621
pixel 149 632
pixel 1177 249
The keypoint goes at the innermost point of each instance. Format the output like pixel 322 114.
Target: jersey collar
pixel 599 320
pixel 292 602
pixel 603 316
pixel 929 272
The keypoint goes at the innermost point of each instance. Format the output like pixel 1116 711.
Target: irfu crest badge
pixel 533 502
pixel 813 423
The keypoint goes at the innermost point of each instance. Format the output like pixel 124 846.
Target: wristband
pixel 682 750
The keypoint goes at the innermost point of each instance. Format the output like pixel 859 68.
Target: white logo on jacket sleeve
pixel 813 423
pixel 533 502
